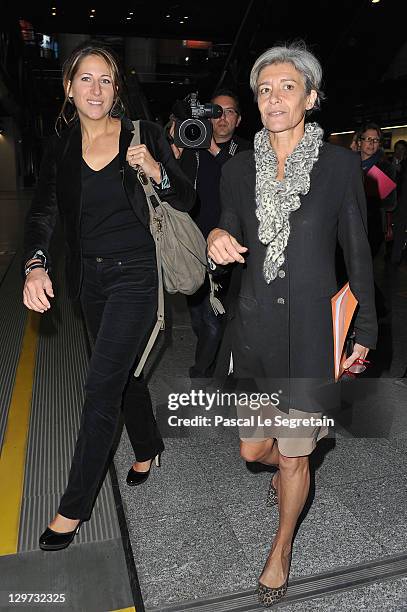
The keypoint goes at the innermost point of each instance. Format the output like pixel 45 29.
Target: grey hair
pixel 303 60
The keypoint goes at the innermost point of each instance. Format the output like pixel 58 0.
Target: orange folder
pixel 343 308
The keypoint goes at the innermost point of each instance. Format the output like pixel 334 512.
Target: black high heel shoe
pixel 137 478
pixel 53 540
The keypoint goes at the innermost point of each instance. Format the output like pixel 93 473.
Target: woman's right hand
pixel 223 248
pixel 37 289
pixel 177 151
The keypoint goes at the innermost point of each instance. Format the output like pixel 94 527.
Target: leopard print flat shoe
pixel 272 497
pixel 269 596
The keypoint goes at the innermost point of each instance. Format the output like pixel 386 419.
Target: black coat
pixel 189 160
pixel 284 330
pixel 204 171
pixel 376 207
pixel 59 191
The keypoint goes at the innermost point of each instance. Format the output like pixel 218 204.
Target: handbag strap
pixel 153 201
pixel 150 196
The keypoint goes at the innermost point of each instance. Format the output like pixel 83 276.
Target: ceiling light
pixel 394 127
pixel 186 17
pixel 91 16
pixel 93 10
pixel 182 22
pixel 375 1
pixel 131 13
pixel 187 58
pixel 339 133
pixel 128 18
pixel 168 16
pixel 53 14
pixel 389 127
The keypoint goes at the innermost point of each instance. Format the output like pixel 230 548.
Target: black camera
pixel 193 129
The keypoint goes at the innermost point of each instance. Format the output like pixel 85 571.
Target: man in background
pixel 203 167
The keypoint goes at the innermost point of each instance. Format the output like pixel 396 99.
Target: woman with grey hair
pixel 284 207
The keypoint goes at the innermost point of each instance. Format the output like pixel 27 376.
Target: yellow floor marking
pixel 13 457
pixel 133 609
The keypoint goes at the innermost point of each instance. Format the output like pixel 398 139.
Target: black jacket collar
pixel 71 140
pixel 70 160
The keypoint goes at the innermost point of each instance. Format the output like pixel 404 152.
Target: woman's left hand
pixel 359 352
pixel 140 156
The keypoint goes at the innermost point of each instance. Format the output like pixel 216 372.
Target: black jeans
pixel 119 301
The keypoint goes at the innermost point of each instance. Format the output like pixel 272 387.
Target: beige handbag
pixel 180 252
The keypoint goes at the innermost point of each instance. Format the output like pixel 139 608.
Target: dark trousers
pixel 376 239
pixel 400 228
pixel 208 329
pixel 119 302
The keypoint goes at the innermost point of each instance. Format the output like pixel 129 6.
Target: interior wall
pixel 8 160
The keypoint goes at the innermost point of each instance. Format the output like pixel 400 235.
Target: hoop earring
pixel 118 110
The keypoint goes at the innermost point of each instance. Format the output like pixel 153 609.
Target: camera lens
pixel 193 132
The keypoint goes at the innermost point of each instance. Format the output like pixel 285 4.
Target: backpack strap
pixel 150 194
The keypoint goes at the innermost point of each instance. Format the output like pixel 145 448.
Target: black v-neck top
pixel 109 225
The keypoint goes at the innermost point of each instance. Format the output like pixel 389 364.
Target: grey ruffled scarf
pixel 275 200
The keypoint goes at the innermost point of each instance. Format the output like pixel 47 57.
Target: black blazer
pixel 59 191
pixel 189 160
pixel 284 329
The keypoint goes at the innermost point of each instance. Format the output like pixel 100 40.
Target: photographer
pixel 203 168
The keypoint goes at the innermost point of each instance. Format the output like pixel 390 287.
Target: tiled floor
pixel 388 596
pixel 199 526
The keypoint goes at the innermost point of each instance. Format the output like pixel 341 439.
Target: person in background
pixel 398 159
pixel 203 167
pixel 399 217
pixel 378 210
pixel 88 176
pixel 371 154
pixel 354 142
